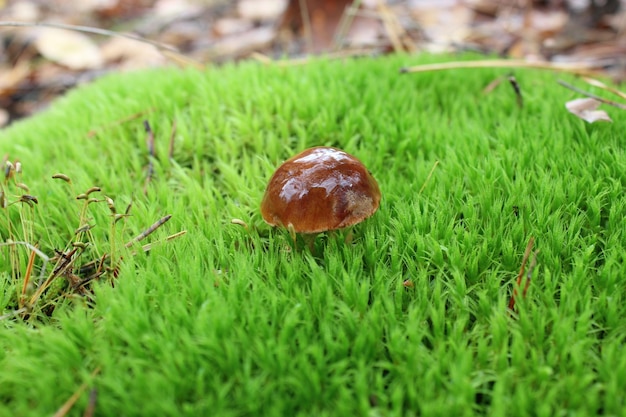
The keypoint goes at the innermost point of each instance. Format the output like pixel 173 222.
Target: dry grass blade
pixel 64 262
pixel 27 275
pixel 149 246
pixel 600 84
pixel 95 267
pixel 286 63
pixel 575 68
pixel 92 30
pixel 591 95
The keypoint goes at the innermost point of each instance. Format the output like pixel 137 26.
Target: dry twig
pixel 575 67
pixel 591 95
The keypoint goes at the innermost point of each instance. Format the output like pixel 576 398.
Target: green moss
pixel 226 321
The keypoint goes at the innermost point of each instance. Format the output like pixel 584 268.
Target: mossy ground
pixel 226 321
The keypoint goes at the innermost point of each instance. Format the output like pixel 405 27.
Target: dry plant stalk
pixel 32 296
pixel 581 68
pixel 593 96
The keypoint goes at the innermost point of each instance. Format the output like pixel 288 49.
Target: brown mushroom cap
pixel 320 189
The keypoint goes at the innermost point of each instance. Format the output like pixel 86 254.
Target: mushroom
pixel 320 189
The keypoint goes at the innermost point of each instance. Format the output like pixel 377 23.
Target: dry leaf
pixel 230 26
pixel 22 11
pixel 585 108
pixel 260 9
pixel 10 78
pixel 131 54
pixel 70 49
pixel 244 43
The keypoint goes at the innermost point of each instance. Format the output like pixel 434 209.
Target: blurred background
pixel 41 58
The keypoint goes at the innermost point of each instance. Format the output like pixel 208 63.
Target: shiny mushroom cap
pixel 320 189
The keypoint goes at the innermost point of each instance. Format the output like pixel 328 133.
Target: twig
pixel 600 84
pixel 92 30
pixel 593 96
pixel 90 266
pixel 149 230
pixel 63 264
pixel 576 68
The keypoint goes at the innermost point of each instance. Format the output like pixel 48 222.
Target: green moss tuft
pixel 227 321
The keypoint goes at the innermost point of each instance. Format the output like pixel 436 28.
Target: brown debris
pixel 34 70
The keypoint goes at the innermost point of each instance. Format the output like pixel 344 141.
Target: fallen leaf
pixel 10 78
pixel 260 9
pixel 70 49
pixel 243 43
pixel 131 54
pixel 585 108
pixel 22 11
pixel 231 26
